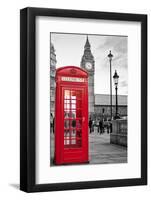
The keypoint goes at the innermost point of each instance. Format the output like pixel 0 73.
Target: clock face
pixel 88 65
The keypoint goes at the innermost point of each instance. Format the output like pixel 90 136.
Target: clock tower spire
pixel 87 63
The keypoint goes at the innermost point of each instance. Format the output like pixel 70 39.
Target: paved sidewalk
pixel 102 152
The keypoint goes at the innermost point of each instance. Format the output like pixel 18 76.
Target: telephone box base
pixel 71 163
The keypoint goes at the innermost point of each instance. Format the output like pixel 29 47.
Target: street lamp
pixel 116 77
pixel 110 56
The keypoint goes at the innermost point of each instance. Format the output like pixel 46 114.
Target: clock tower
pixel 87 63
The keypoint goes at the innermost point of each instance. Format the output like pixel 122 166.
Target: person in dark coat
pixel 90 125
pixel 51 123
pixel 100 126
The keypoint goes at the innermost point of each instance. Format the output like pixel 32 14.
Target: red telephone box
pixel 71 116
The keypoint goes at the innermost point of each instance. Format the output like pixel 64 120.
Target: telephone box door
pixel 75 137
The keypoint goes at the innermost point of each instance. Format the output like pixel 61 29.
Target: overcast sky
pixel 70 48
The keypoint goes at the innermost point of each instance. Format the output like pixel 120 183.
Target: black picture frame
pixel 28 98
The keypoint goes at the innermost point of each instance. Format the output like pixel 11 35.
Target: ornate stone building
pixel 53 62
pixel 87 63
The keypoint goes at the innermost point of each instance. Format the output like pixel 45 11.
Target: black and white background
pixel 69 49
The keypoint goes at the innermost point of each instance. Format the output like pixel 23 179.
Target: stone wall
pixel 119 132
pixel 98 110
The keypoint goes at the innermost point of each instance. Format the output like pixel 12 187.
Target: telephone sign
pixel 72 79
pixel 71 116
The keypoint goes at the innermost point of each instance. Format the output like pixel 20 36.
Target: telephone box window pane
pixel 66 123
pixel 73 114
pixel 73 123
pixel 65 132
pixel 73 141
pixel 66 101
pixel 73 95
pixel 66 114
pixel 66 142
pixel 73 101
pixel 66 135
pixel 73 133
pixel 67 94
pixel 73 106
pixel 66 106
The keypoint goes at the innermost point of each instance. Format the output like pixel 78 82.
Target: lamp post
pixel 110 56
pixel 116 77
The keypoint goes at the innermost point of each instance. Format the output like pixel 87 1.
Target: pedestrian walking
pixel 100 127
pixel 51 123
pixel 97 125
pixel 93 123
pixel 108 127
pixel 90 125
